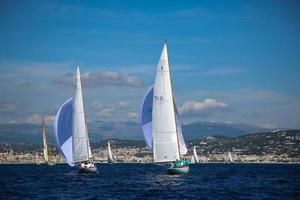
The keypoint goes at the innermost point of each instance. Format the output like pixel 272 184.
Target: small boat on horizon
pixel 194 157
pixel 45 145
pixel 110 158
pixel 71 133
pixel 160 121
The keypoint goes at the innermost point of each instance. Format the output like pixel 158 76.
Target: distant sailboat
pixel 45 143
pixel 110 158
pixel 194 158
pixel 70 130
pixel 37 159
pixel 160 120
pixel 229 157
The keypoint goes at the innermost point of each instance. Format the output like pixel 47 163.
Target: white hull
pixel 179 170
pixel 92 169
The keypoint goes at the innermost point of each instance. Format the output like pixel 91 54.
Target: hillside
pixel 100 130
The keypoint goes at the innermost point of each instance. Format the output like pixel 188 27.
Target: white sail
pixel 195 155
pixel 230 157
pixel 81 147
pixel 192 159
pixel 45 143
pixel 164 131
pixel 109 153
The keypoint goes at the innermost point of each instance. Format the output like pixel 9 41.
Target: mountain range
pixel 126 130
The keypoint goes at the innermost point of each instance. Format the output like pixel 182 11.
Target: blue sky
pixel 232 61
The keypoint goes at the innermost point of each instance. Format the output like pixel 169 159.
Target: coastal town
pixel 272 147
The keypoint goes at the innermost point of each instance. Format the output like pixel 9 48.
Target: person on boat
pixel 185 162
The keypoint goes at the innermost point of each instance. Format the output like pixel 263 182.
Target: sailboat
pixel 70 131
pixel 37 159
pixel 229 157
pixel 194 158
pixel 110 158
pixel 45 143
pixel 160 120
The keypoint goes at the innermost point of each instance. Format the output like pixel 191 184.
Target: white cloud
pixel 36 118
pixel 123 104
pixel 103 78
pixel 202 108
pixel 269 126
pixel 106 112
pixel 132 115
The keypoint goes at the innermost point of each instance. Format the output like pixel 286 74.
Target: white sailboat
pixel 160 120
pixel 194 158
pixel 229 157
pixel 37 161
pixel 195 155
pixel 110 158
pixel 45 143
pixel 70 130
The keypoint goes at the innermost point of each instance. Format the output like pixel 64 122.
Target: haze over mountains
pixel 130 130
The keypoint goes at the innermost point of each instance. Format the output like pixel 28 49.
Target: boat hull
pixel 87 169
pixel 178 170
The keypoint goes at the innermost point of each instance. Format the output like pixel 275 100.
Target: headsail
pixel 63 130
pixel 146 122
pixel 81 146
pixel 164 130
pixel 195 155
pixel 109 154
pixel 45 143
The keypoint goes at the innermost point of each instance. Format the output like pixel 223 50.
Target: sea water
pixel 148 181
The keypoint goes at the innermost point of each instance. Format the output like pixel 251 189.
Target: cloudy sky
pixel 232 61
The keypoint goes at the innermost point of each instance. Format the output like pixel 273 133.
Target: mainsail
pixel 45 143
pixel 63 130
pixel 230 157
pixel 109 153
pixel 164 130
pixel 146 122
pixel 81 146
pixel 195 155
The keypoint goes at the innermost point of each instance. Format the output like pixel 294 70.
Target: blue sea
pixel 148 181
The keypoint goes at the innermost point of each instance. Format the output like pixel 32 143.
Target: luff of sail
pixel 164 130
pixel 109 154
pixel 81 147
pixel 45 143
